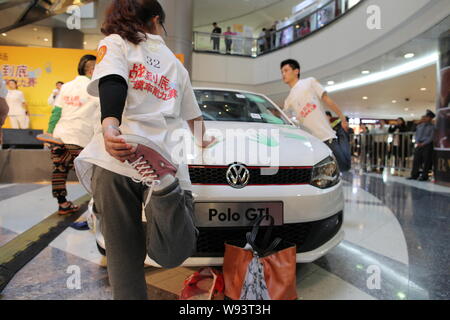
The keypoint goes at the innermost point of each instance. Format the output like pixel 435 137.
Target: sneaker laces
pixel 147 175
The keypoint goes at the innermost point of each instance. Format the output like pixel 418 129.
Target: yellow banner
pixel 36 71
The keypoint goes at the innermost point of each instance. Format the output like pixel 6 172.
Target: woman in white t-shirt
pixel 18 114
pixel 146 98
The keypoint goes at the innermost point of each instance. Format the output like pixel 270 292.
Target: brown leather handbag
pixel 260 271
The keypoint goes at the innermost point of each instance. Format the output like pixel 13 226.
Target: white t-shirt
pixel 3 90
pixel 305 103
pixel 15 100
pixel 160 99
pixel 80 113
pixel 53 96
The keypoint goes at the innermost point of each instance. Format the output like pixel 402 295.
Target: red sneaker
pixel 152 163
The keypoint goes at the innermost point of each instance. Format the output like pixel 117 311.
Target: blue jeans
pixel 341 152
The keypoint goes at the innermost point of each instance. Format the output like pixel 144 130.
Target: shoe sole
pixel 63 213
pixel 57 142
pixel 133 139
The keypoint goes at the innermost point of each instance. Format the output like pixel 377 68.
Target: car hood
pixel 258 144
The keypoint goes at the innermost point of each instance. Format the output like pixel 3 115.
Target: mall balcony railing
pixel 253 47
pixel 373 152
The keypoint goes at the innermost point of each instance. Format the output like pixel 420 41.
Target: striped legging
pixel 62 157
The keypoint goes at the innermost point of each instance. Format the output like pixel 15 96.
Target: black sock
pixel 61 199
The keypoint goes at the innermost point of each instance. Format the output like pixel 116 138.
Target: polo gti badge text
pixel 238 175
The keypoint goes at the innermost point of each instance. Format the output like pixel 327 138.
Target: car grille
pixel 284 176
pixel 306 236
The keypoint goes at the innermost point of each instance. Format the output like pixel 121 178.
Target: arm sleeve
pixel 56 115
pixel 113 91
pixel 317 87
pixel 189 105
pixel 111 60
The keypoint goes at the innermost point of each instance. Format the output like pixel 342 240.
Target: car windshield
pixel 218 105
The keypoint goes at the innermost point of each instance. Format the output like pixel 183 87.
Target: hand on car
pixel 207 142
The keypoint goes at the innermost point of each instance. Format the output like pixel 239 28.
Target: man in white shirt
pixel 18 113
pixel 305 103
pixel 4 109
pixel 55 93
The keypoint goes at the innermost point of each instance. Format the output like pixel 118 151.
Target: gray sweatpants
pixel 170 238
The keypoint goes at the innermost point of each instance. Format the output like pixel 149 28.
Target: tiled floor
pixel 394 228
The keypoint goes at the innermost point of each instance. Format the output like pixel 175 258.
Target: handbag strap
pixel 268 233
pixel 266 247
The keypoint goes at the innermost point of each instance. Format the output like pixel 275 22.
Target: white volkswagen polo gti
pixel 261 164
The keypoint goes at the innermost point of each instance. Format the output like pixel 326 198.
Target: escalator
pixel 18 13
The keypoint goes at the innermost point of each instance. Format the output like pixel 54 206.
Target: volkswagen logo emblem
pixel 238 175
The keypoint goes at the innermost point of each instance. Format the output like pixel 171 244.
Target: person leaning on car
pixel 305 102
pixel 4 109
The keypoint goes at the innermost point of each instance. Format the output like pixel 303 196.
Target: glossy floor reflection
pixel 394 229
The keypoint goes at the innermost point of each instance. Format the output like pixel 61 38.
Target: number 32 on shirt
pixel 155 63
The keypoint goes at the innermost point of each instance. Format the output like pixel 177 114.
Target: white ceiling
pixel 30 35
pixel 380 96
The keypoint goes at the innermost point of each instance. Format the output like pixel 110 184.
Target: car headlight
pixel 326 173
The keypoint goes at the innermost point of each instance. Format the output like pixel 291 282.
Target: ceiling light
pixel 394 101
pixel 365 72
pixel 45 39
pixel 85 43
pixel 412 114
pixel 365 98
pixel 4 34
pixel 406 109
pixel 388 74
pixel 35 29
pixel 330 83
pixel 423 89
pixel 409 55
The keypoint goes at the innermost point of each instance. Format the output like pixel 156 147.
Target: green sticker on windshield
pixel 270 118
pixel 256 99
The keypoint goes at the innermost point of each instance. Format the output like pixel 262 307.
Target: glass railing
pixel 303 26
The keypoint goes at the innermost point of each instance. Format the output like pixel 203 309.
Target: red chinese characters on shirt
pixel 154 83
pixel 72 101
pixel 307 110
